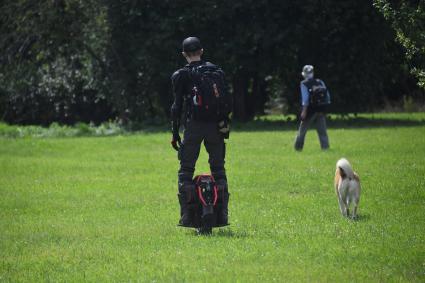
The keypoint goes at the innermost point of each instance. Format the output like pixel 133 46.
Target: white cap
pixel 307 71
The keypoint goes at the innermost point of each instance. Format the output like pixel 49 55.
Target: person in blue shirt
pixel 315 98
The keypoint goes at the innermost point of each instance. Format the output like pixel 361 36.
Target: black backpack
pixel 209 100
pixel 318 93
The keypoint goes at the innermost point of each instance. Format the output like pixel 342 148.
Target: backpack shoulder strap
pixel 307 83
pixel 310 83
pixel 212 66
pixel 209 64
pixel 188 67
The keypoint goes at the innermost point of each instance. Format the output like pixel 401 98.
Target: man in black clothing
pixel 199 125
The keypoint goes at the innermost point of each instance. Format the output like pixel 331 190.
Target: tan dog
pixel 347 187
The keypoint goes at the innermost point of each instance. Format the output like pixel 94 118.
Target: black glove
pixel 176 140
pixel 224 128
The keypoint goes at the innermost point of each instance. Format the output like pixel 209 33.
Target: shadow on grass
pixel 332 122
pixel 228 233
pixel 358 218
pixel 222 233
pixel 291 124
pixel 362 218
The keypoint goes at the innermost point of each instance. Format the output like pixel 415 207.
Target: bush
pixel 57 130
pixel 409 104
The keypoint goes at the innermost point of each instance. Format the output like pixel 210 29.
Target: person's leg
pixel 302 131
pixel 188 155
pixel 216 148
pixel 321 130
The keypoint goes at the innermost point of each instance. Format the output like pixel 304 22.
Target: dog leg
pixel 354 216
pixel 356 205
pixel 342 207
pixel 356 202
pixel 347 206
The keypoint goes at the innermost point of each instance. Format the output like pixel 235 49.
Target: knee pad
pixel 221 184
pixel 185 176
pixel 186 191
pixel 223 196
pixel 186 200
pixel 223 191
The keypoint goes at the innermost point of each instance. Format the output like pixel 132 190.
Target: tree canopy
pixel 408 20
pixel 94 60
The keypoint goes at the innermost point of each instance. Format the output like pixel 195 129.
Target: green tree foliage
pixel 93 60
pixel 52 61
pixel 408 20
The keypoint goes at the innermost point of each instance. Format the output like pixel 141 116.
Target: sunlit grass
pixel 105 209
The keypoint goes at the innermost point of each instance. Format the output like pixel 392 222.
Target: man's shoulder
pixel 180 73
pixel 308 82
pixel 305 82
pixel 212 65
pixel 209 64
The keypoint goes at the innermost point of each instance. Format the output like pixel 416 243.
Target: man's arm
pixel 305 95
pixel 176 108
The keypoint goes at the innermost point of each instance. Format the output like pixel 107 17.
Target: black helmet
pixel 191 44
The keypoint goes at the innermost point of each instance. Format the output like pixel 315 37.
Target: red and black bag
pixel 206 202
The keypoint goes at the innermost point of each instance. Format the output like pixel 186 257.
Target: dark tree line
pixel 94 60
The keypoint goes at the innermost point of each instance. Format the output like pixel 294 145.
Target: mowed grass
pixel 102 209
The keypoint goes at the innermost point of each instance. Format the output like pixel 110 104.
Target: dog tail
pixel 345 168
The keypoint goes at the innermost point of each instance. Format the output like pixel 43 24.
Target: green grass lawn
pixel 105 208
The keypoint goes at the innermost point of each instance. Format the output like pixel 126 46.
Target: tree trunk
pixel 259 95
pixel 240 92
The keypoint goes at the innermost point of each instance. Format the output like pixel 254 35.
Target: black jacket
pixel 182 87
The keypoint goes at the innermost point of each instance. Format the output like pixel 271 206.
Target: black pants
pixel 194 134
